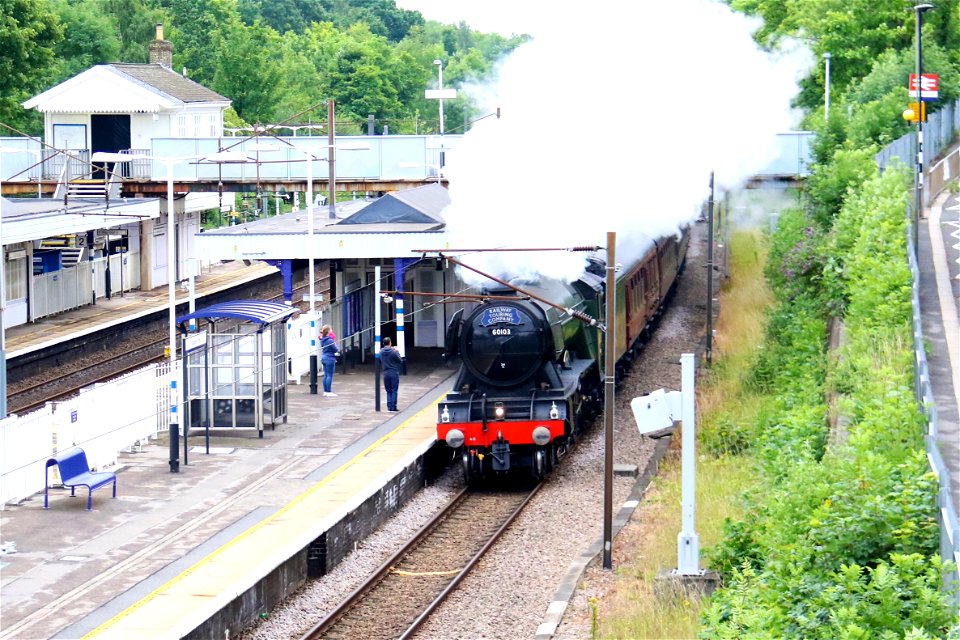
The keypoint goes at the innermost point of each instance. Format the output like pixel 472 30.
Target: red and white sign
pixel 929 86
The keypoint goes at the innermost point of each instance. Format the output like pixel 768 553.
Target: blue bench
pixel 75 472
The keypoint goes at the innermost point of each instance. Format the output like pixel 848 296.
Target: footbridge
pixel 358 163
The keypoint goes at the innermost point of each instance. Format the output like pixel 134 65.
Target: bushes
pixel 840 543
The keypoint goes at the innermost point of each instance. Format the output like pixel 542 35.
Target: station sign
pixel 929 86
pixel 195 341
pixel 440 94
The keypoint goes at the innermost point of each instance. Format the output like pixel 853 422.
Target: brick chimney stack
pixel 161 51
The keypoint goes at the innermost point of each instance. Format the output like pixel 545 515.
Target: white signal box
pixel 657 410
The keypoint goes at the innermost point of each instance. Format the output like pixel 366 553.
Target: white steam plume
pixel 613 117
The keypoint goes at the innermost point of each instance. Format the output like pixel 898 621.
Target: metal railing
pixel 939 133
pixel 393 157
pixel 946 514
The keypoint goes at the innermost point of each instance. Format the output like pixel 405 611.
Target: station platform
pixel 69 573
pixel 77 574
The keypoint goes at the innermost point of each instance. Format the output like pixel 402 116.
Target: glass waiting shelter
pixel 236 365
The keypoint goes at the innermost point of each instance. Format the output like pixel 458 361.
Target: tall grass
pixel 634 609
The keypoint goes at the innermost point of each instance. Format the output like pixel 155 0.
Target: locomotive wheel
pixel 465 464
pixel 540 464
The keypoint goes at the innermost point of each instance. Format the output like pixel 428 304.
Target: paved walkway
pixel 939 244
pixel 74 569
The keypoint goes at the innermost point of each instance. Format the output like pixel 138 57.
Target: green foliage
pixel 135 22
pixel 867 245
pixel 842 542
pixel 726 434
pixel 899 598
pixel 91 37
pixel 29 35
pixel 829 184
pixel 855 32
pixel 793 265
pixel 246 69
pixel 277 61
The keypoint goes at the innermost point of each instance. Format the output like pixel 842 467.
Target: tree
pixel 92 37
pixel 134 22
pixel 193 32
pixel 29 33
pixel 247 69
pixel 282 15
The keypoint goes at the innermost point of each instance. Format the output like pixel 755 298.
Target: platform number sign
pixel 929 86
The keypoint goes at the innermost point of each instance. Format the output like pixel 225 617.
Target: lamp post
pixel 107 158
pixel 172 291
pixel 918 178
pixel 311 276
pixel 3 298
pixel 826 91
pixel 331 159
pixel 439 94
pixel 439 64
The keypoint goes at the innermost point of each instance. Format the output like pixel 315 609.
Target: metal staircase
pixel 70 250
pixel 87 189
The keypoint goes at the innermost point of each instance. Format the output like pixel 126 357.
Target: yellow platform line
pixel 183 601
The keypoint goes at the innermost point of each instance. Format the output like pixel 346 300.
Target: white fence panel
pixel 61 290
pixel 26 442
pixel 103 420
pixel 107 418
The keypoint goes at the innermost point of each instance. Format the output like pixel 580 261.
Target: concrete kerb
pixel 568 586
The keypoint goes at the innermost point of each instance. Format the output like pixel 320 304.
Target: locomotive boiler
pixel 530 374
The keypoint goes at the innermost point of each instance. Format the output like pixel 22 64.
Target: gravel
pixel 507 595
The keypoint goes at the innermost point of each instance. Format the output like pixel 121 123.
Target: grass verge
pixel 632 609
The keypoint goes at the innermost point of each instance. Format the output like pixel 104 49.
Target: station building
pixel 97 236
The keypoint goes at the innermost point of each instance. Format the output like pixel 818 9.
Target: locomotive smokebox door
pixel 504 344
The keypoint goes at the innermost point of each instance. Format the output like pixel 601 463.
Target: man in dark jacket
pixel 391 362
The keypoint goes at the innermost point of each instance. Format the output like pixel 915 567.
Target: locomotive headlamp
pixel 541 435
pixel 499 411
pixel 445 415
pixel 454 438
pixel 554 412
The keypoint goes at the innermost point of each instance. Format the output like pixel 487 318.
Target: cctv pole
pixel 688 542
pixel 918 178
pixel 609 380
pixel 710 274
pixel 376 337
pixel 331 159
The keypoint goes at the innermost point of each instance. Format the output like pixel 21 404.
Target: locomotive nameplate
pixel 500 315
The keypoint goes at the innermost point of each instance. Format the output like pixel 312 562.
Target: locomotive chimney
pixel 161 51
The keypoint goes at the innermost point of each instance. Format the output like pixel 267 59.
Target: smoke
pixel 612 119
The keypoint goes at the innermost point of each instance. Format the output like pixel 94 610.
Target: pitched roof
pixel 422 206
pixel 169 82
pixel 123 88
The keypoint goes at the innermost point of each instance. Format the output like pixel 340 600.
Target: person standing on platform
pixel 391 362
pixel 328 358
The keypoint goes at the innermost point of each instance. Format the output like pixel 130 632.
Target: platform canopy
pixel 258 311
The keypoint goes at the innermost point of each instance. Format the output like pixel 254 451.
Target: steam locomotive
pixel 530 376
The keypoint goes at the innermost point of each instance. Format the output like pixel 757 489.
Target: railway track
pixel 35 393
pixel 403 592
pixel 67 380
